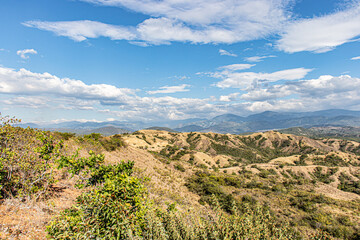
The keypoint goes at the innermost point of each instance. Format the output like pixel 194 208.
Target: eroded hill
pixel 308 185
pixel 313 184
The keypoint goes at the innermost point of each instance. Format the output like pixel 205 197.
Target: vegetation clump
pixel 108 143
pixel 117 208
pixel 26 161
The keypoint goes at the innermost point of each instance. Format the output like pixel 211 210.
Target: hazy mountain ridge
pixel 234 124
pixel 226 123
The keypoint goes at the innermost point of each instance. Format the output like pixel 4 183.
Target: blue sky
pixel 148 60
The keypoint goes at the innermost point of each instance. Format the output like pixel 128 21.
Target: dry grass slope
pixel 309 183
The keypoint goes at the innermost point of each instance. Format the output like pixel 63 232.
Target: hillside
pixel 309 186
pixel 307 179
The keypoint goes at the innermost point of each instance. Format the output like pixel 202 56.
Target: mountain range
pixel 226 123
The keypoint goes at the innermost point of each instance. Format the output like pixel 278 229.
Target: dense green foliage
pixel 113 210
pixel 117 208
pixel 108 143
pixel 26 160
pixel 348 184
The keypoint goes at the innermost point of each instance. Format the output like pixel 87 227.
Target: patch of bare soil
pixel 335 193
pixel 27 220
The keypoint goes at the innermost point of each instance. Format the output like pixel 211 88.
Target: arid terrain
pixel 309 184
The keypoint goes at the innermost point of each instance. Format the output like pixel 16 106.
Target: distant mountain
pixel 93 125
pixel 269 120
pixel 25 125
pixel 105 131
pixel 229 118
pixel 226 123
pixel 161 129
pixel 190 128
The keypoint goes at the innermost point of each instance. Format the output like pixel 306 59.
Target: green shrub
pixel 179 167
pixel 347 184
pixel 65 135
pixel 26 160
pixel 113 143
pixel 324 177
pixel 108 143
pixel 114 210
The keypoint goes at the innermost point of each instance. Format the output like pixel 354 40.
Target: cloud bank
pixel 26 89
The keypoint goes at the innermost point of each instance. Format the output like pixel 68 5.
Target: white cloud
pixel 322 34
pixel 43 90
pixel 322 93
pixel 218 21
pixel 237 67
pixel 23 53
pixel 245 80
pixel 26 82
pixel 229 98
pixel 25 89
pixel 198 21
pixel 226 53
pixel 356 58
pixel 206 12
pixel 265 94
pixel 258 58
pixel 81 30
pixel 171 89
pixel 27 102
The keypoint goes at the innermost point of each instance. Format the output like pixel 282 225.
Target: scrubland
pixel 161 185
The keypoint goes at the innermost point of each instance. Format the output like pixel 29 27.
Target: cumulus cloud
pixel 25 89
pixel 257 58
pixel 223 52
pixel 321 93
pixel 266 94
pixel 198 21
pixel 171 89
pixel 322 34
pixel 27 82
pixel 356 58
pixel 245 80
pixel 229 98
pixel 24 53
pixel 44 90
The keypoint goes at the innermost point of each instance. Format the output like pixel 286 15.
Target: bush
pixel 118 209
pixel 108 143
pixel 179 167
pixel 324 177
pixel 26 160
pixel 65 135
pixel 347 184
pixel 114 210
pixel 113 143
